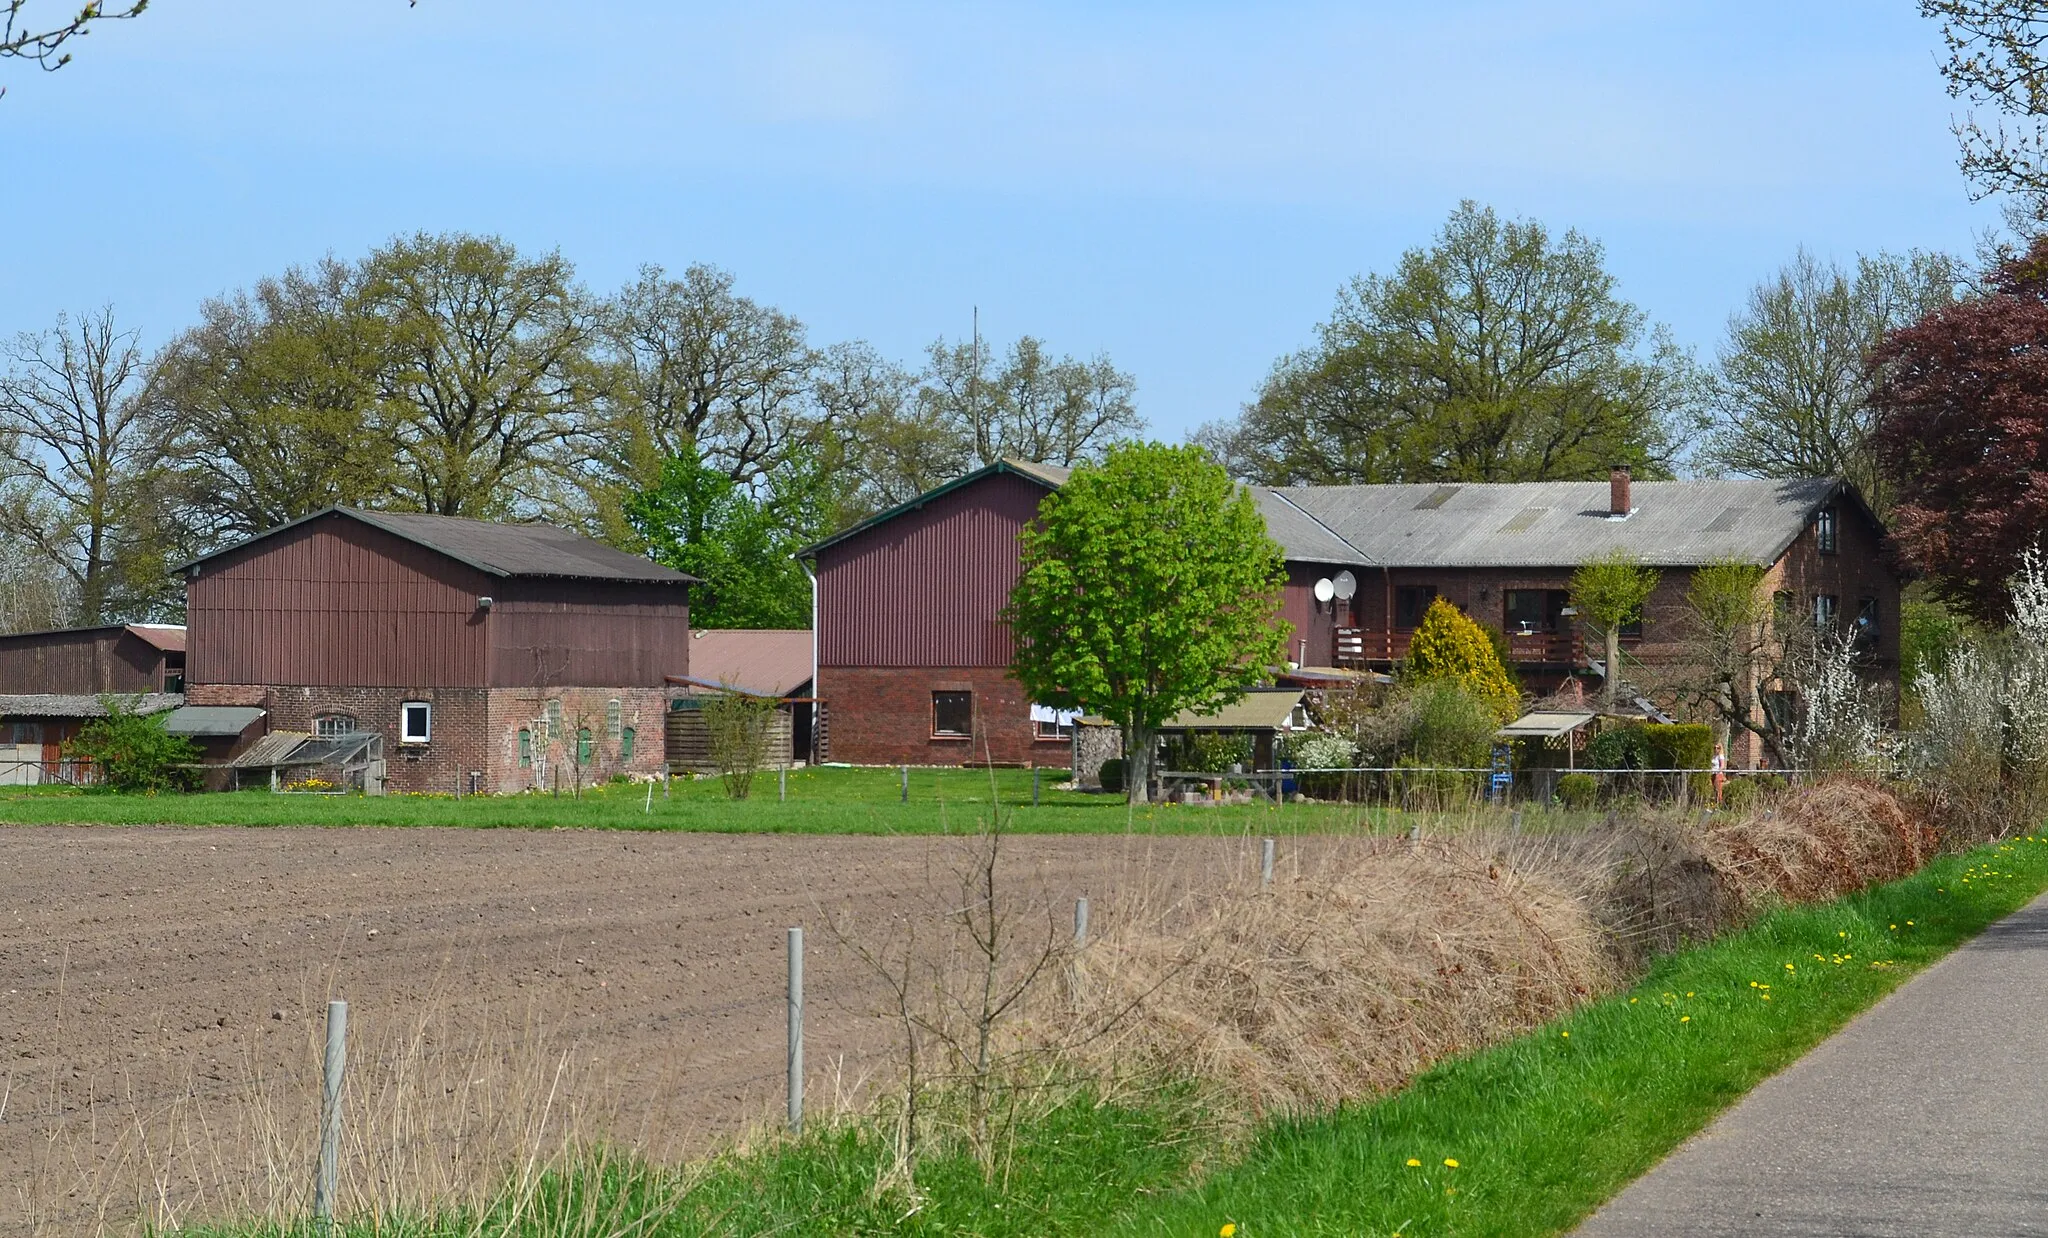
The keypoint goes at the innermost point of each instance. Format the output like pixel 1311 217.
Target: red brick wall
pixel 474 729
pixel 883 716
pixel 512 710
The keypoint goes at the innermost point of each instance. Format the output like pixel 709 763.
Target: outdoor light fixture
pixel 485 602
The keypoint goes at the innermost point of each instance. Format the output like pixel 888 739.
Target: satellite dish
pixel 1345 584
pixel 1325 590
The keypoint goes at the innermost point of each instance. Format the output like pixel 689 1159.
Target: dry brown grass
pixel 1817 842
pixel 451 1108
pixel 1348 975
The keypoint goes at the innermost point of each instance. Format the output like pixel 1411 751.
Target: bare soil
pixel 162 990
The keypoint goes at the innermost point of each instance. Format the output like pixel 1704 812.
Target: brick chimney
pixel 1617 492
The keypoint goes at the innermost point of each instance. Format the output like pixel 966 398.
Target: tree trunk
pixel 1613 676
pixel 1139 741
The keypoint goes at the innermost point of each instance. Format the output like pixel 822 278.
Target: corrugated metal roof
pixel 211 719
pixel 761 661
pixel 271 749
pixel 73 705
pixel 1564 524
pixel 1545 724
pixel 1264 709
pixel 500 549
pixel 168 637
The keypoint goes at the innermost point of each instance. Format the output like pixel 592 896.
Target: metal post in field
pixel 782 785
pixel 1034 786
pixel 1515 823
pixel 796 1029
pixel 906 784
pixel 1266 862
pixel 330 1117
pixel 1074 964
pixel 666 774
pixel 1080 922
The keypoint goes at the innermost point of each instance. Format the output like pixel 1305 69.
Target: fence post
pixel 1074 965
pixel 330 1117
pixel 796 1029
pixel 1080 922
pixel 906 784
pixel 666 774
pixel 782 785
pixel 1515 823
pixel 1034 786
pixel 1266 862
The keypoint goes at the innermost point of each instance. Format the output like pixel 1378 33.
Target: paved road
pixel 1928 1115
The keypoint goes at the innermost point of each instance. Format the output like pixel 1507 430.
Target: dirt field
pixel 161 992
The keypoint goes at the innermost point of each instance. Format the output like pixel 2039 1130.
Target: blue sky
pixel 1182 185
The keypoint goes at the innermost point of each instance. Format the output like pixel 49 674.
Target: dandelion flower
pixel 1228 1231
pixel 1413 1163
pixel 1685 1018
pixel 1688 992
pixel 1450 1163
pixel 1631 1001
pixel 1566 1035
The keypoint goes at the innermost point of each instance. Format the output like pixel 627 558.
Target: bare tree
pixel 43 41
pixel 1995 60
pixel 82 450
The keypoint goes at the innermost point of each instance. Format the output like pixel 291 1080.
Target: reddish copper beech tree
pixel 1962 433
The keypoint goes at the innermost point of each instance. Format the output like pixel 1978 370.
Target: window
pixel 1534 610
pixel 1410 601
pixel 174 679
pixel 525 748
pixel 952 713
pixel 415 722
pixel 1632 630
pixel 614 713
pixel 1825 608
pixel 1866 623
pixel 554 714
pixel 1824 530
pixel 583 746
pixel 626 738
pixel 327 726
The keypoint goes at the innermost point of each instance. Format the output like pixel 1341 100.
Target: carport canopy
pixel 1545 724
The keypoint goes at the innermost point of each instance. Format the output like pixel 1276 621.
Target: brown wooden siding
pixel 337 603
pixel 546 632
pixel 85 661
pixel 924 588
pixel 1312 637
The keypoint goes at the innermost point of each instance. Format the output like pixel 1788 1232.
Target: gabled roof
pixel 496 549
pixel 760 661
pixel 1566 523
pixel 84 705
pixel 1518 524
pixel 166 637
pixel 1051 476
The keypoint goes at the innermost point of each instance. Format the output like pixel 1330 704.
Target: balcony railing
pixel 1372 646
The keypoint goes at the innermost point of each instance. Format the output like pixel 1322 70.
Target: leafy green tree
pixel 1449 647
pixel 1995 60
pixel 1790 395
pixel 275 397
pixel 134 752
pixel 739 544
pixel 487 368
pixel 1609 591
pixel 1498 354
pixel 1149 586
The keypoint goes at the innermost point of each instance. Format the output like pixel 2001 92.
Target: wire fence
pixel 1437 786
pixel 433 1108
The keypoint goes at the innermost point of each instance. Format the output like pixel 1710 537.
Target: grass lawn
pixel 825 800
pixel 1523 1139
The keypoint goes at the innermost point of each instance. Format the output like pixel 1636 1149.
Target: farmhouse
pixel 487 657
pixel 913 656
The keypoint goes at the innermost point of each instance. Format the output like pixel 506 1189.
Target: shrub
pixel 1429 789
pixel 1741 795
pixel 1578 791
pixel 1111 775
pixel 1447 646
pixel 1447 724
pixel 134 752
pixel 1321 750
pixel 736 723
pixel 1773 784
pixel 1620 747
pixel 1825 840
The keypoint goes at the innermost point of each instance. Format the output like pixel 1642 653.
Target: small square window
pixel 952 713
pixel 415 722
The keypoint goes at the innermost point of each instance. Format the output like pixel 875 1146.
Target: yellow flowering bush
pixel 1448 645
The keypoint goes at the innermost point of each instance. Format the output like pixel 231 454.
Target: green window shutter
pixel 583 746
pixel 626 744
pixel 525 748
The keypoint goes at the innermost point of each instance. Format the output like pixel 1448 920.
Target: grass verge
pixel 1523 1139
